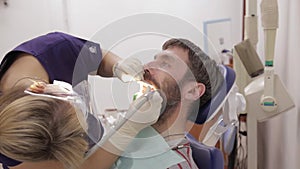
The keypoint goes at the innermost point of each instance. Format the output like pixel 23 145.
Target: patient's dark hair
pixel 204 69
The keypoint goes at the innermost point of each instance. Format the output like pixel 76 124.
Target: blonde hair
pixel 35 128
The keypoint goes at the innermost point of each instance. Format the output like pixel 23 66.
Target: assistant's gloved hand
pixel 147 111
pixel 129 69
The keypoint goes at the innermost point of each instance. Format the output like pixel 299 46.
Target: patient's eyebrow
pixel 165 56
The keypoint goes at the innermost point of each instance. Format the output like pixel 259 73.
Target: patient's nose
pixel 151 65
pixel 147 74
pixel 150 69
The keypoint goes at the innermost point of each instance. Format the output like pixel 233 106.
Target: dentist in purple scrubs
pixel 60 56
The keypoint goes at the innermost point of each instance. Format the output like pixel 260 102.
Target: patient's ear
pixel 194 90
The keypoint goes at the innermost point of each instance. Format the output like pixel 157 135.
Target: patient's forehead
pixel 177 59
pixel 178 52
pixel 173 56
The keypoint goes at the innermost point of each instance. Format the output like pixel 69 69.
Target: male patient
pixel 188 78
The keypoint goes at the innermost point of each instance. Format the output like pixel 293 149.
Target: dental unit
pixel 266 95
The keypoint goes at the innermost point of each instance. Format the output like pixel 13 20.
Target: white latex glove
pixel 146 110
pixel 129 69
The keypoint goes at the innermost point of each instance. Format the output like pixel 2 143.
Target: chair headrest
pixel 212 107
pixel 205 157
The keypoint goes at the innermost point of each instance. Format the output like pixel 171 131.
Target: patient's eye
pixel 164 64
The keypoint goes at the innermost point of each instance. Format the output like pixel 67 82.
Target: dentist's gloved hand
pixel 144 116
pixel 129 69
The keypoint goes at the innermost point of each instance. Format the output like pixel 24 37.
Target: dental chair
pixel 205 154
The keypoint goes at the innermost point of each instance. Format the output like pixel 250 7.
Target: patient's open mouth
pixel 146 87
pixel 149 81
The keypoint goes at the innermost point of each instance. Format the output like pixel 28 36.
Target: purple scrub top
pixel 64 57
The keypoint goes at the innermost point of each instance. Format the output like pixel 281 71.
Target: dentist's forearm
pixel 102 158
pixel 108 61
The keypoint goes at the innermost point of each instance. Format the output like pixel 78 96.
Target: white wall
pixel 22 20
pixel 88 18
pixel 93 15
pixel 25 19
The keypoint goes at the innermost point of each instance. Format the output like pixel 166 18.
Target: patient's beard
pixel 171 89
pixel 172 92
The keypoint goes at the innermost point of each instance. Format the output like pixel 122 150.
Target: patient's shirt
pixel 64 57
pixel 185 151
pixel 149 150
